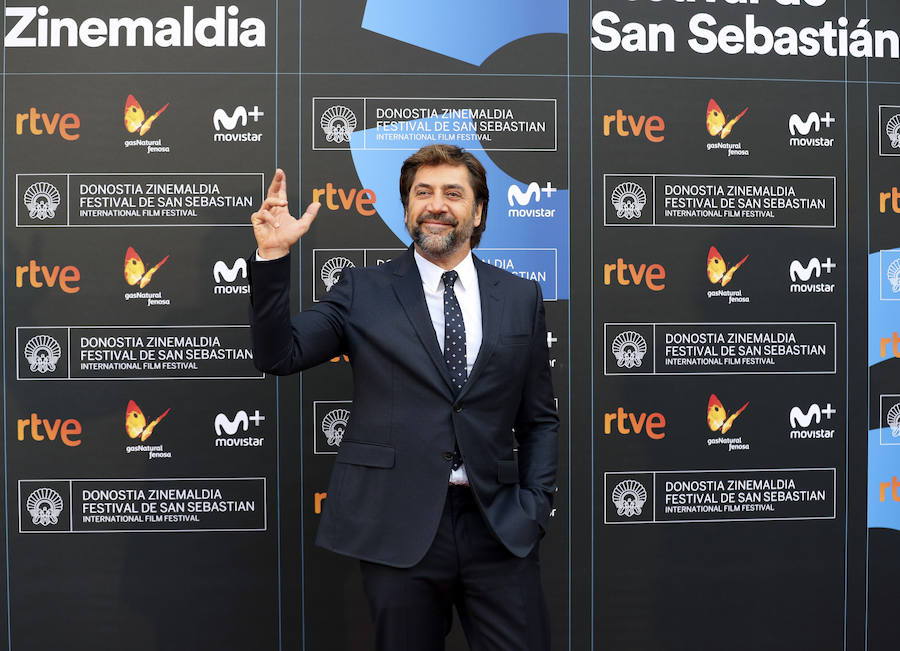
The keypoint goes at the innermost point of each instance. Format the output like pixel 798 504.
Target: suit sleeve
pixel 537 423
pixel 282 345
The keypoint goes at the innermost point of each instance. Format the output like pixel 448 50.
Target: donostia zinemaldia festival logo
pixel 892 128
pixel 628 199
pixel 331 270
pixel 42 353
pixel 629 348
pixel 42 200
pixel 44 505
pixel 893 274
pixel 334 424
pixel 338 122
pixel 629 496
pixel 893 419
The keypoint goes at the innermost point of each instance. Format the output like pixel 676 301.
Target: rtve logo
pixel 893 197
pixel 40 429
pixel 337 198
pixel 38 124
pixel 319 499
pixel 43 276
pixel 892 485
pixel 623 124
pixel 623 273
pixel 629 423
pixel 893 342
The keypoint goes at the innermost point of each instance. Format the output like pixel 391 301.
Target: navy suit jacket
pixel 389 482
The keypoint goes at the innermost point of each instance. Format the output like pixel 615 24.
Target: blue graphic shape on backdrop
pixel 884 303
pixel 378 171
pixel 468 30
pixel 884 465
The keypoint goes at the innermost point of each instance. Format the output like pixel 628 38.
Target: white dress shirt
pixel 469 297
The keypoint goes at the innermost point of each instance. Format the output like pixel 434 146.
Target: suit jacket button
pixel 448 455
pixel 457 408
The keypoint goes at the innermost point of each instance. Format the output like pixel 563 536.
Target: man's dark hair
pixel 449 155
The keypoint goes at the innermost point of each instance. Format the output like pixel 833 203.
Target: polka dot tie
pixel 454 333
pixel 454 344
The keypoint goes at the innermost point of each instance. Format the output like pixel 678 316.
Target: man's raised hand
pixel 275 229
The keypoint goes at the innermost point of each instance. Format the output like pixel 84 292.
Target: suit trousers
pixel 498 596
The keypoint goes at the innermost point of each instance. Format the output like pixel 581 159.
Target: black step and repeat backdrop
pixel 704 189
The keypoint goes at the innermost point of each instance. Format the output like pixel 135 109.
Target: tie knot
pixel 449 278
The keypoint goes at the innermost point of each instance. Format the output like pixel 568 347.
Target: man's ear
pixel 478 209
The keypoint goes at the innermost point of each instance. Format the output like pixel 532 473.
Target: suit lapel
pixel 491 313
pixel 408 288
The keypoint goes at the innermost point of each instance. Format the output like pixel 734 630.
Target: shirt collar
pixel 431 273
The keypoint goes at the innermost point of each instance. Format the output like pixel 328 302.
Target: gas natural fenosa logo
pixel 136 425
pixel 716 123
pixel 717 418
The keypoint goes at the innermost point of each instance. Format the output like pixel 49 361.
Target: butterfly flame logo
pixel 135 119
pixel 135 271
pixel 716 416
pixel 715 120
pixel 716 269
pixel 136 423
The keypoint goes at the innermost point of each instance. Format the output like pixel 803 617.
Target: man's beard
pixel 441 245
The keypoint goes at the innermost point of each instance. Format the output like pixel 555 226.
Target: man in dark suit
pixel 450 371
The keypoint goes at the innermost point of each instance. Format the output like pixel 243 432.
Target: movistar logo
pixel 30 27
pixel 798 125
pixel 222 119
pixel 515 195
pixel 222 271
pixel 800 418
pixel 226 276
pixel 241 421
pixel 801 273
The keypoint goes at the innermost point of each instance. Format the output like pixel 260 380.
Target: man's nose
pixel 436 204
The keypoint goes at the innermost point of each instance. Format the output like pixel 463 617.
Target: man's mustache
pixel 441 219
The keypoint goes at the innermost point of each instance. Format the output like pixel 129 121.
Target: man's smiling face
pixel 441 212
